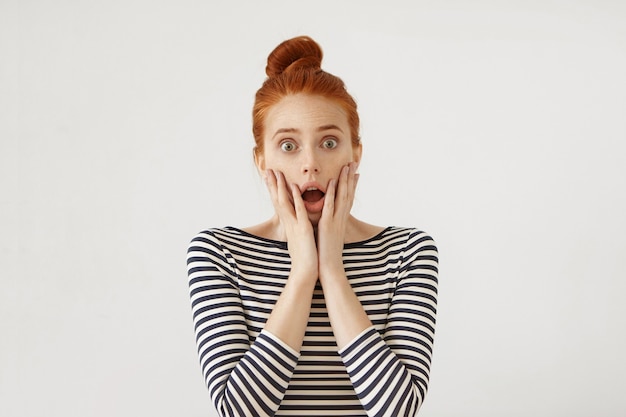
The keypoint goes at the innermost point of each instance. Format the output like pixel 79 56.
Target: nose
pixel 310 163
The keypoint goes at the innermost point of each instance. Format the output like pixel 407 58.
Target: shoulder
pixel 206 239
pixel 418 238
pixel 230 241
pixel 408 236
pixel 208 260
pixel 414 242
pixel 420 254
pixel 223 235
pixel 206 245
pixel 221 248
pixel 405 242
pixel 360 231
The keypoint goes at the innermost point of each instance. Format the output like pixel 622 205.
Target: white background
pixel 498 127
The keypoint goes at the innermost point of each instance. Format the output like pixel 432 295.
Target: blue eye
pixel 330 143
pixel 287 146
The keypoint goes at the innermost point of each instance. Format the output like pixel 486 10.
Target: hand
pixel 332 225
pixel 294 219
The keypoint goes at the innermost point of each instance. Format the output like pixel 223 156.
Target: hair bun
pixel 300 52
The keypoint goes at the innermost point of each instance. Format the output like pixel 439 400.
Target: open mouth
pixel 312 195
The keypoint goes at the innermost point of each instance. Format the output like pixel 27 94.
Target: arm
pixel 290 316
pixel 243 378
pixel 347 316
pixel 390 373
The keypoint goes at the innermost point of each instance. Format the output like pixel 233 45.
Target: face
pixel 307 138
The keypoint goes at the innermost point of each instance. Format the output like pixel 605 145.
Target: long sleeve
pixel 245 377
pixel 390 372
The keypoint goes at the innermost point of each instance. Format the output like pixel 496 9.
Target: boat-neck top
pixel 235 279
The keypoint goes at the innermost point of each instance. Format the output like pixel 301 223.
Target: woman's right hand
pixel 294 219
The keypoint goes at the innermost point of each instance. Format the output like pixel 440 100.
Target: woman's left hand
pixel 331 229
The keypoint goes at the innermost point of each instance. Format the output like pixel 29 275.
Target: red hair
pixel 294 67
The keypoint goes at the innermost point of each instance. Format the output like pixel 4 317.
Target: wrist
pixel 303 274
pixel 332 272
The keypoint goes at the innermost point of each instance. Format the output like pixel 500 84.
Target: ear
pixel 357 151
pixel 259 160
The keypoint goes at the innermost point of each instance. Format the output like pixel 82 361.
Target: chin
pixel 315 218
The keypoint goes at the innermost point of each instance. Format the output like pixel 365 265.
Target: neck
pixel 275 230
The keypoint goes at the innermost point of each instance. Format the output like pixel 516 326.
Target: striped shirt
pixel 235 279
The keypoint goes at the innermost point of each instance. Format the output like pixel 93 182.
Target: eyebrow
pixel 329 127
pixel 294 130
pixel 285 130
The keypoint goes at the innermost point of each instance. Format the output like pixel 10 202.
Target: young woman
pixel 312 312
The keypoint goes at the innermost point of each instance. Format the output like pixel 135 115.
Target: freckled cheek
pixel 288 170
pixel 340 167
pixel 276 164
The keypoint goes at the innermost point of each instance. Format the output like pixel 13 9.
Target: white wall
pixel 498 127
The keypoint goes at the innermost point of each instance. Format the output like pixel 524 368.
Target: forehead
pixel 303 111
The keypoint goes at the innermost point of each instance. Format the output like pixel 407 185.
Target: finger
pixel 270 182
pixel 298 204
pixel 280 187
pixel 281 201
pixel 352 194
pixel 346 189
pixel 329 199
pixel 283 194
pixel 344 179
pixel 343 188
pixel 353 179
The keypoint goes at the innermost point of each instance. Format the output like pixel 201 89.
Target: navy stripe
pixel 234 281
